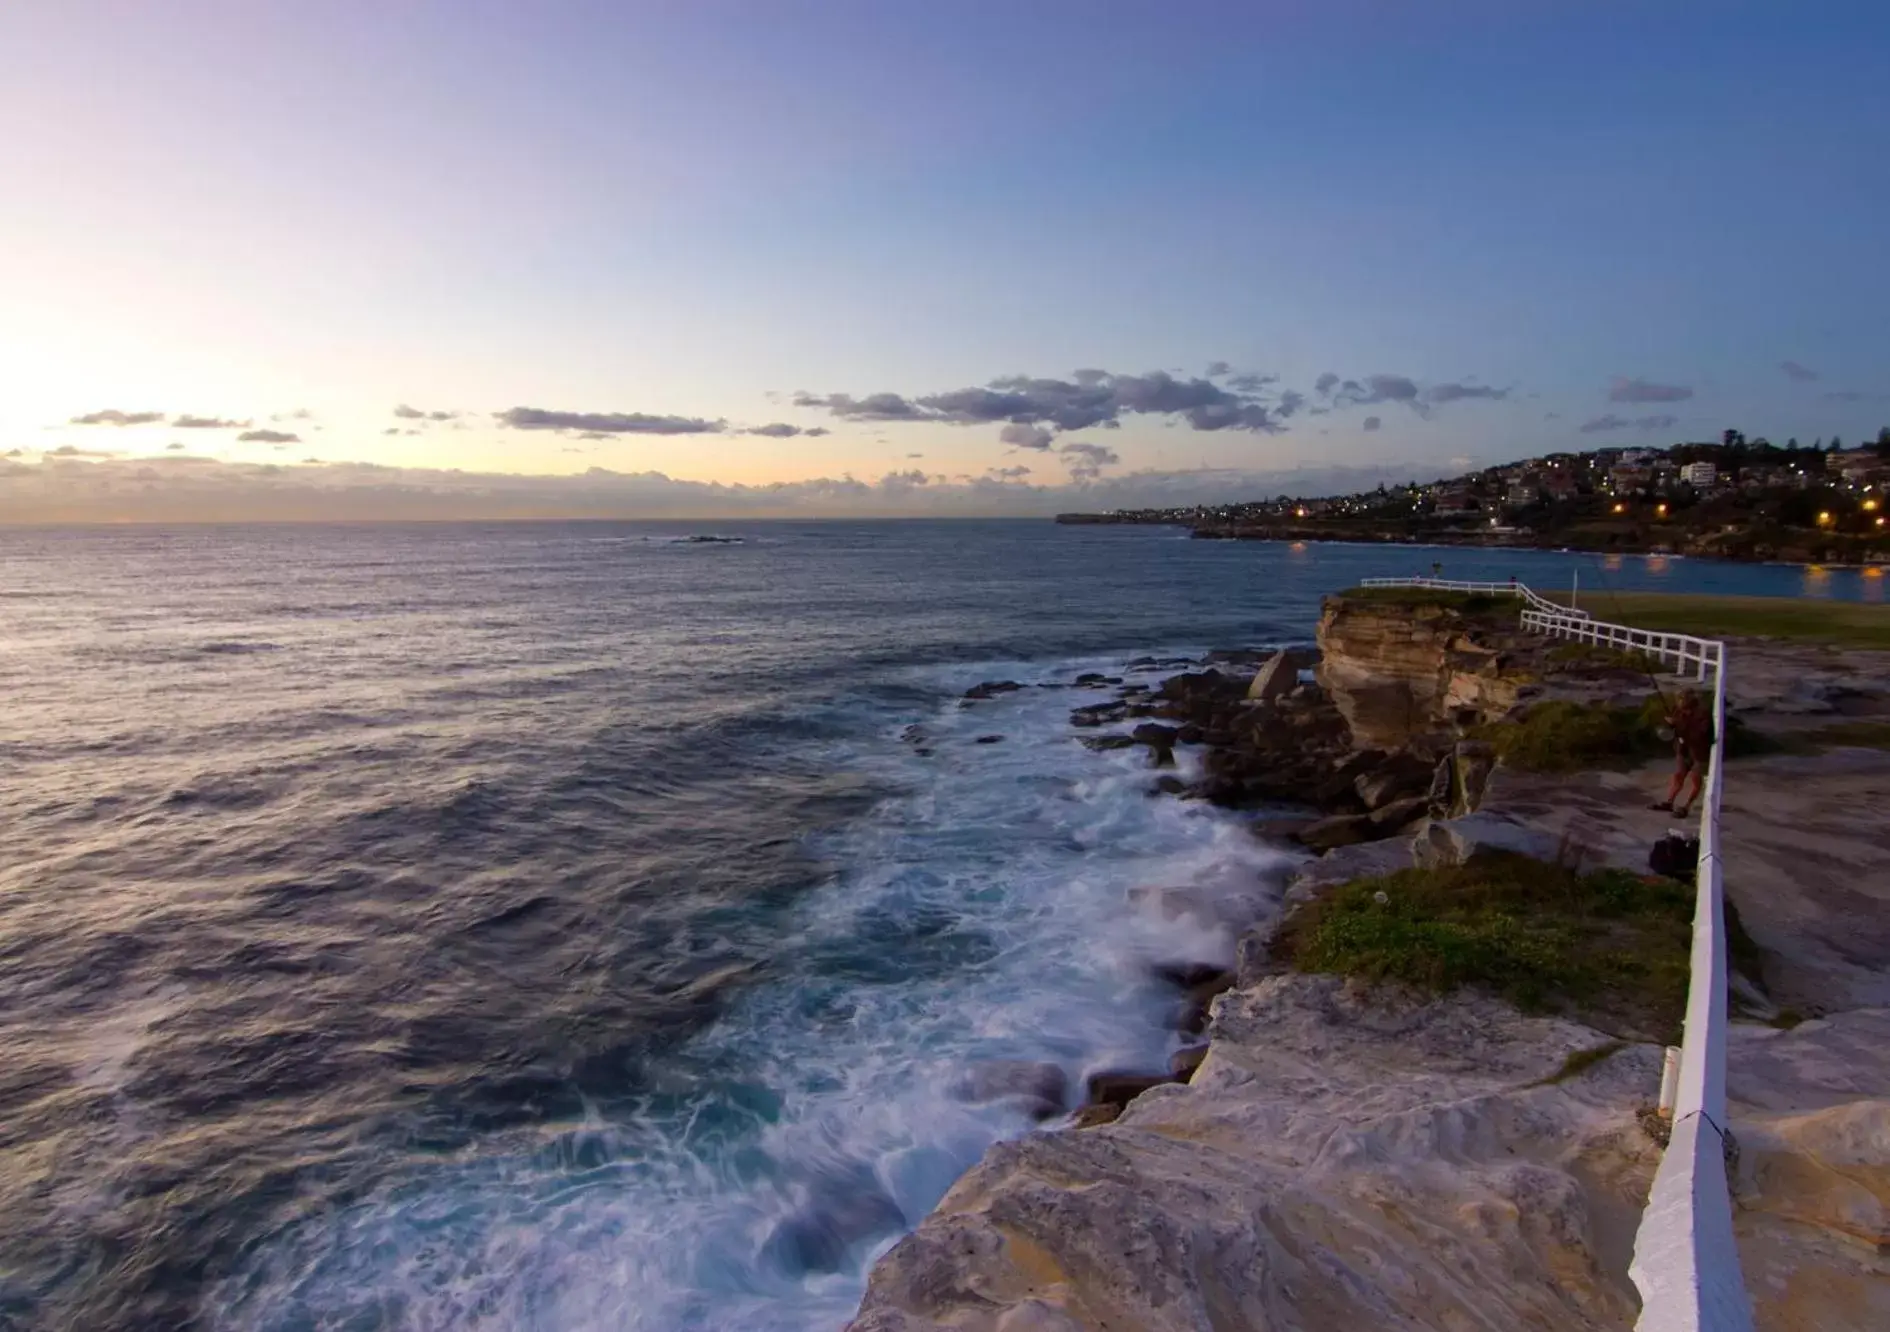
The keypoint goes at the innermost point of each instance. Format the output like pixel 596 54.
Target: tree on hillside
pixel 1837 445
pixel 1883 442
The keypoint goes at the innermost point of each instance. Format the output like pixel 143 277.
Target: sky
pixel 262 259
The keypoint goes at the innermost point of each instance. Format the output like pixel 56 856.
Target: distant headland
pixel 1735 499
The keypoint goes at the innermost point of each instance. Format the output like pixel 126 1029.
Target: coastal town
pixel 1735 498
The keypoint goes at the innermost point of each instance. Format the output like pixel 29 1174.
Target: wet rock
pixel 1282 830
pixel 1193 1017
pixel 1098 714
pixel 1041 1089
pixel 1155 735
pixel 1096 680
pixel 1096 1115
pixel 990 739
pixel 1106 742
pixel 1194 735
pixel 1168 786
pixel 991 689
pixel 1187 975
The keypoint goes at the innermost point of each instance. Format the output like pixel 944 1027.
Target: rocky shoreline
pixel 1321 1152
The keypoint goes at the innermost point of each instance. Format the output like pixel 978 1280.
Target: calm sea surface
pixel 555 926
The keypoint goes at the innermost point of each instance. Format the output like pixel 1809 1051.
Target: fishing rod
pixel 1640 658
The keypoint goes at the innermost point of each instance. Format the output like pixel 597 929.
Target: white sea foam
pixel 981 912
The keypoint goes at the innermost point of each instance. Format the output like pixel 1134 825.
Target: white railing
pixel 1686 1262
pixel 1511 588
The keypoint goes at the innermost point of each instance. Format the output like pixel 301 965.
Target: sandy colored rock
pixel 1340 1160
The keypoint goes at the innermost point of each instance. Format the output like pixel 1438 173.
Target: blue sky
pixel 1624 216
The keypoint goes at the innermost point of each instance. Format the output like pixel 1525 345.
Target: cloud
pixel 1010 473
pixel 612 423
pixel 1085 461
pixel 1026 436
pixel 1218 368
pixel 1373 422
pixel 915 455
pixel 391 430
pixel 1087 399
pixel 1613 422
pixel 1641 390
pixel 206 423
pixel 113 417
pixel 406 413
pixel 1458 392
pixel 69 451
pixel 782 430
pixel 1803 374
pixel 1852 395
pixel 268 437
pixel 299 414
pixel 176 446
pixel 595 434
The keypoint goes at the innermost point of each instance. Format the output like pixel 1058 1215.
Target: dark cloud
pixel 1010 473
pixel 1324 385
pixel 1458 392
pixel 1613 422
pixel 782 430
pixel 1249 383
pixel 206 423
pixel 1026 436
pixel 1804 374
pixel 113 417
pixel 176 446
pixel 1373 422
pixel 268 437
pixel 610 423
pixel 406 413
pixel 1218 368
pixel 1641 390
pixel 1087 399
pixel 69 451
pixel 594 434
pixel 391 430
pixel 915 455
pixel 299 414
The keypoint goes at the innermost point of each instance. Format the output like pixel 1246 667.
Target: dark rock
pixel 1096 680
pixel 1189 975
pixel 1192 735
pixel 1282 830
pixel 1340 785
pixel 989 739
pixel 1339 830
pixel 1279 675
pixel 1103 742
pixel 1401 813
pixel 1161 756
pixel 1155 735
pixel 1096 714
pixel 1400 775
pixel 1116 1087
pixel 1168 786
pixel 1193 1018
pixel 1095 1116
pixel 992 688
pixel 1183 1062
pixel 1236 657
pixel 1043 1090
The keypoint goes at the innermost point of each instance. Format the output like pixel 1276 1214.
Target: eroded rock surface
pixel 1340 1159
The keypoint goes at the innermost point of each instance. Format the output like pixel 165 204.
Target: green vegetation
pixel 1564 736
pixel 1593 656
pixel 1803 619
pixel 1608 947
pixel 1470 603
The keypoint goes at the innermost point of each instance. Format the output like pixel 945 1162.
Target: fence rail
pixel 1686 1262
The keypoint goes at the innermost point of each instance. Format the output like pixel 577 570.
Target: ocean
pixel 576 925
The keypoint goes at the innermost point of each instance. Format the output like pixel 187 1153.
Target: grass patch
pixel 1565 736
pixel 1594 656
pixel 1470 603
pixel 1607 947
pixel 1803 619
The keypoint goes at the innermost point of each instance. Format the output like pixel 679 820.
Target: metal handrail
pixel 1686 1261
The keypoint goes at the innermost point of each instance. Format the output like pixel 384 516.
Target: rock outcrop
pixel 1340 1159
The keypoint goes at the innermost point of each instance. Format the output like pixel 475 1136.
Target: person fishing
pixel 1692 744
